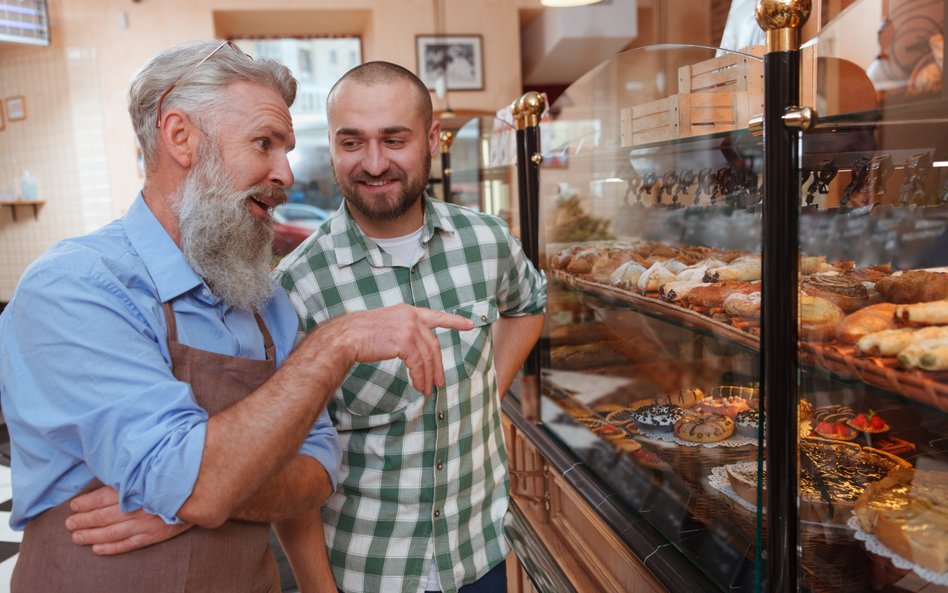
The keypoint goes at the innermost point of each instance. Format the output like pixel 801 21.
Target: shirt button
pixel 413 270
pixel 440 465
pixel 437 513
pixel 440 415
pixel 483 317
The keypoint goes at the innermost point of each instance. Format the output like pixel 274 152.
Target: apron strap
pixel 173 329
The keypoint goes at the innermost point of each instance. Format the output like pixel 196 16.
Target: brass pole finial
pixel 782 20
pixel 447 137
pixel 517 115
pixel 531 106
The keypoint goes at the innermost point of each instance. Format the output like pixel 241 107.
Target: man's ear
pixel 434 138
pixel 179 137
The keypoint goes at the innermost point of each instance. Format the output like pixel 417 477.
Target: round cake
pixel 747 422
pixel 704 427
pixel 728 406
pixel 657 417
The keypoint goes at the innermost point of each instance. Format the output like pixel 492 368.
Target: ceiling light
pixel 566 3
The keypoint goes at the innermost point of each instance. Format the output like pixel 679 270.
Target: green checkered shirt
pixel 420 476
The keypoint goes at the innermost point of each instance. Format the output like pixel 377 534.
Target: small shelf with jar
pixel 14 204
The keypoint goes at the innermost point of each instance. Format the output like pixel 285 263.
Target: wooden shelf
pixel 14 203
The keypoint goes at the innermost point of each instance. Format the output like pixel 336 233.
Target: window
pixel 311 61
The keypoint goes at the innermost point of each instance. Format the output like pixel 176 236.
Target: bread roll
pixel 819 318
pixel 914 286
pixel 871 319
pixel 713 295
pixel 743 305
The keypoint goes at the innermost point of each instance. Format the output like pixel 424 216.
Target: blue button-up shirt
pixel 85 373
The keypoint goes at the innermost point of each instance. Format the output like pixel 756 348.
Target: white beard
pixel 223 241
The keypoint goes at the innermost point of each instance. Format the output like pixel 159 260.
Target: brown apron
pixel 230 559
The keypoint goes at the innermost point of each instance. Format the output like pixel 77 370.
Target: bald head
pixel 384 73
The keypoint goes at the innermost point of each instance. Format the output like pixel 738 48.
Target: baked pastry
pixel 713 295
pixel 930 313
pixel 874 318
pixel 697 271
pixel 804 410
pixel 582 261
pixel 930 355
pixel 622 417
pixel 914 286
pixel 607 263
pixel 627 275
pixel 833 413
pixel 562 259
pixel 846 293
pixel 704 427
pixel 811 264
pixel 819 318
pixel 654 277
pixel 744 268
pixel 747 422
pixel 892 341
pixel 743 305
pixel 907 511
pixel 727 406
pixel 684 398
pixel 657 417
pixel 833 474
pixel 676 291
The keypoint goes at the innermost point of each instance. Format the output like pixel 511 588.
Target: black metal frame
pixel 778 339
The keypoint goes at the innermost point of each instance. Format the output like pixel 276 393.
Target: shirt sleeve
pixel 322 444
pixel 522 289
pixel 93 391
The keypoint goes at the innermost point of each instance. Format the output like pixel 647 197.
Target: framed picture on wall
pixel 16 108
pixel 454 59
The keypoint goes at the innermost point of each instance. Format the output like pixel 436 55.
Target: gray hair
pixel 198 92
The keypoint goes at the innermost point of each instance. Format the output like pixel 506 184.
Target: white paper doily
pixel 876 547
pixel 735 440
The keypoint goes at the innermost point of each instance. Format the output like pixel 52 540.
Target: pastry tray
pixel 930 388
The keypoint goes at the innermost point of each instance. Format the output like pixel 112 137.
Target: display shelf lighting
pixel 567 3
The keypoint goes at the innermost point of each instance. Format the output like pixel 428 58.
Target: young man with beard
pixel 423 480
pixel 138 364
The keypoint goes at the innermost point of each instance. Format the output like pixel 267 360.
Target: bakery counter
pixel 613 521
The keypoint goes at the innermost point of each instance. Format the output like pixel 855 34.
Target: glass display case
pixel 702 274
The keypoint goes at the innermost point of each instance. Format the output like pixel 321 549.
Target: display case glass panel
pixel 649 221
pixel 873 187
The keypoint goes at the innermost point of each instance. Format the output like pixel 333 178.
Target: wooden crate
pixel 650 122
pixel 707 113
pixel 730 72
pixel 686 115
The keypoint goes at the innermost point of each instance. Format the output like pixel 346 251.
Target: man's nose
pixel 281 174
pixel 374 162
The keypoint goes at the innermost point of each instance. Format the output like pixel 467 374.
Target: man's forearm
pixel 513 338
pixel 302 540
pixel 301 486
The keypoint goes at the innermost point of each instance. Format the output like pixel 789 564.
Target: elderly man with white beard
pixel 159 420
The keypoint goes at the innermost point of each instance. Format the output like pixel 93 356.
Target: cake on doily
pixel 907 511
pixel 833 476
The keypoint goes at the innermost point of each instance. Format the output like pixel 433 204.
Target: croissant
pixel 874 318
